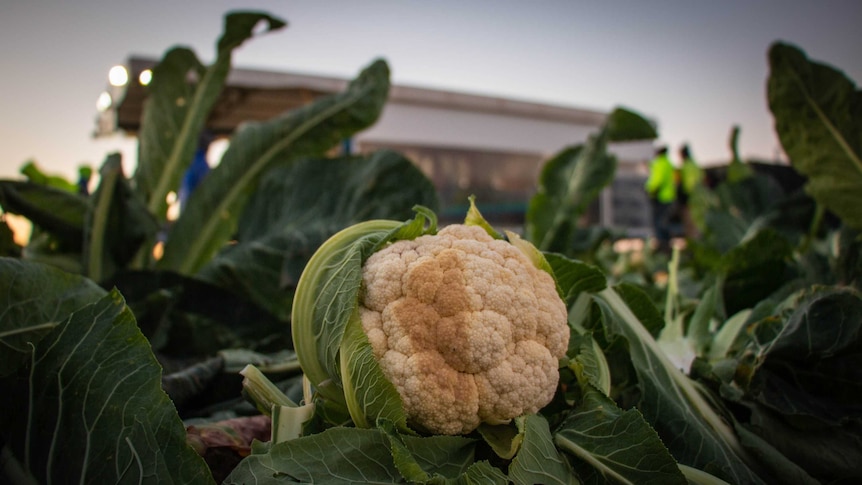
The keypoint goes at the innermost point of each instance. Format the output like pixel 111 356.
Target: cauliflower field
pixel 307 321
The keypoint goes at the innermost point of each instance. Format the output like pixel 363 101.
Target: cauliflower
pixel 465 326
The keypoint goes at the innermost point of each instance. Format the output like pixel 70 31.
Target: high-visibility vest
pixel 692 175
pixel 661 182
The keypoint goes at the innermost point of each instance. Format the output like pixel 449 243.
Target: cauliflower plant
pixel 465 326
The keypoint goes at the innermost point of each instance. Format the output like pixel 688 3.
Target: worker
pixel 661 189
pixel 691 179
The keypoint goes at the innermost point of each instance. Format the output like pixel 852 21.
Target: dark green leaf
pixel 58 212
pixel 117 224
pixel 783 468
pixel 8 246
pixel 297 207
pixel 818 117
pixel 337 455
pixel 626 125
pixel 569 182
pixel 829 453
pixel 538 461
pixel 574 277
pixel 214 208
pixel 812 367
pixel 737 170
pixel 89 408
pixel 849 261
pixel 177 111
pixel 643 307
pixel 692 430
pixel 609 445
pixel 421 459
pixel 35 298
pixel 187 317
pixel 187 383
pixel 755 269
pixel 161 140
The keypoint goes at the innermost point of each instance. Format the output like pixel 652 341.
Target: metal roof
pixel 256 95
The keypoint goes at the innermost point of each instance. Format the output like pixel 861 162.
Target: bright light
pixel 145 77
pixel 104 101
pixel 118 76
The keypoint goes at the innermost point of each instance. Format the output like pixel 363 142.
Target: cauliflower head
pixel 465 327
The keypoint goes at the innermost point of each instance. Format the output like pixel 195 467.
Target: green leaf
pixel 8 246
pixel 57 211
pixel 609 445
pixel 504 439
pixel 785 469
pixel 165 111
pixel 369 394
pixel 699 326
pixel 755 269
pixel 177 111
pixel 89 407
pixel 297 207
pixel 572 179
pixel 737 170
pixel 811 369
pixel 214 208
pixel 185 317
pixel 475 218
pixel 626 125
pixel 35 298
pixel 693 431
pixel 37 176
pixel 538 461
pixel 575 277
pixel 117 225
pixel 326 298
pixel 337 455
pixel 588 361
pixel 569 182
pixel 429 458
pixel 818 117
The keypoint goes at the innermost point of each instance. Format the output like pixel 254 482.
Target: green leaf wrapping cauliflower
pixel 430 331
pixel 465 326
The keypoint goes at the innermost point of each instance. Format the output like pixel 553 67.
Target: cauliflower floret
pixel 465 326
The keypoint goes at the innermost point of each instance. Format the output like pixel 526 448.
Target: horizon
pixel 696 69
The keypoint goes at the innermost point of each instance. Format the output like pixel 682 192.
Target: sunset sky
pixel 697 67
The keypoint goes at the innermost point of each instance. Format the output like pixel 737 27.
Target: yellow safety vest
pixel 661 183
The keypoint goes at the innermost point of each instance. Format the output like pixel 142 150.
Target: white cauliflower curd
pixel 465 327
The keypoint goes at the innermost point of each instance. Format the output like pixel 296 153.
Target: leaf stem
pixel 814 228
pixel 32 328
pixel 689 391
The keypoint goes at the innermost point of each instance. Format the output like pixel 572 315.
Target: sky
pixel 696 67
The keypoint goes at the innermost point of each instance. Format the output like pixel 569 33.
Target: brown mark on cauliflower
pixel 466 328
